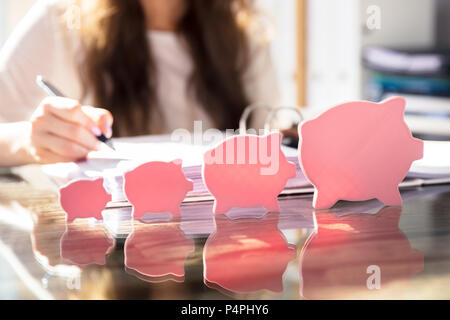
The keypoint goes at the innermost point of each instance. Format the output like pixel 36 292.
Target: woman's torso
pixel 46 43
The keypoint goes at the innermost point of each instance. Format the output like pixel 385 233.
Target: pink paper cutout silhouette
pixel 247 171
pixel 156 187
pixel 341 258
pixel 358 151
pixel 84 198
pixel 247 255
pixel 157 250
pixel 83 244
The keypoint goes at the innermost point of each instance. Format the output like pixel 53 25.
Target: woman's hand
pixel 62 130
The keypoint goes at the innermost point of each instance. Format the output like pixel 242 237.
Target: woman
pixel 151 65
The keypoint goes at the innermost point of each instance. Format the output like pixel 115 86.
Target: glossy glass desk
pixel 356 250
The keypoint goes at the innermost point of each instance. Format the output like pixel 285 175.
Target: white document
pixel 435 162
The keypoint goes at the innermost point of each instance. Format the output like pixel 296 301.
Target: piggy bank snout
pixel 418 149
pixel 108 197
pixel 291 171
pixel 189 185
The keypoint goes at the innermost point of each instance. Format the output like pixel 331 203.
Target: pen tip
pixel 110 144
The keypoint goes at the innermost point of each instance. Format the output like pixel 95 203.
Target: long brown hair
pixel 118 65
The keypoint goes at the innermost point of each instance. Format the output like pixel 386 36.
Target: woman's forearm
pixel 14 144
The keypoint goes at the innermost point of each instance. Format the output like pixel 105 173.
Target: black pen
pixel 52 91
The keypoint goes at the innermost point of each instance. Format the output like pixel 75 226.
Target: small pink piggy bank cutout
pixel 156 187
pixel 84 198
pixel 358 151
pixel 247 171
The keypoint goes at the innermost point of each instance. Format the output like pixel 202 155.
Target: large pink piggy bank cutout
pixel 247 171
pixel 84 198
pixel 247 255
pixel 156 187
pixel 358 151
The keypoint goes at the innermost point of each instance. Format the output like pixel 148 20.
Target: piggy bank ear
pixel 177 162
pixel 395 105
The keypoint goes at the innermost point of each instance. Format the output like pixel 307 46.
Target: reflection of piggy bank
pixel 247 255
pixel 156 187
pixel 84 244
pixel 84 199
pixel 157 250
pixel 247 171
pixel 358 151
pixel 358 256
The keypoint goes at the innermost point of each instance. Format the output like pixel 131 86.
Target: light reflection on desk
pixel 247 255
pixel 358 256
pixel 410 245
pixel 157 251
pixel 85 243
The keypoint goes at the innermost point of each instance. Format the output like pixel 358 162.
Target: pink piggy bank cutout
pixel 84 198
pixel 156 187
pixel 247 171
pixel 358 151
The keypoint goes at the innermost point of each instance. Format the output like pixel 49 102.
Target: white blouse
pixel 43 44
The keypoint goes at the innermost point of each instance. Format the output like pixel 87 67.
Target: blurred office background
pixel 327 52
